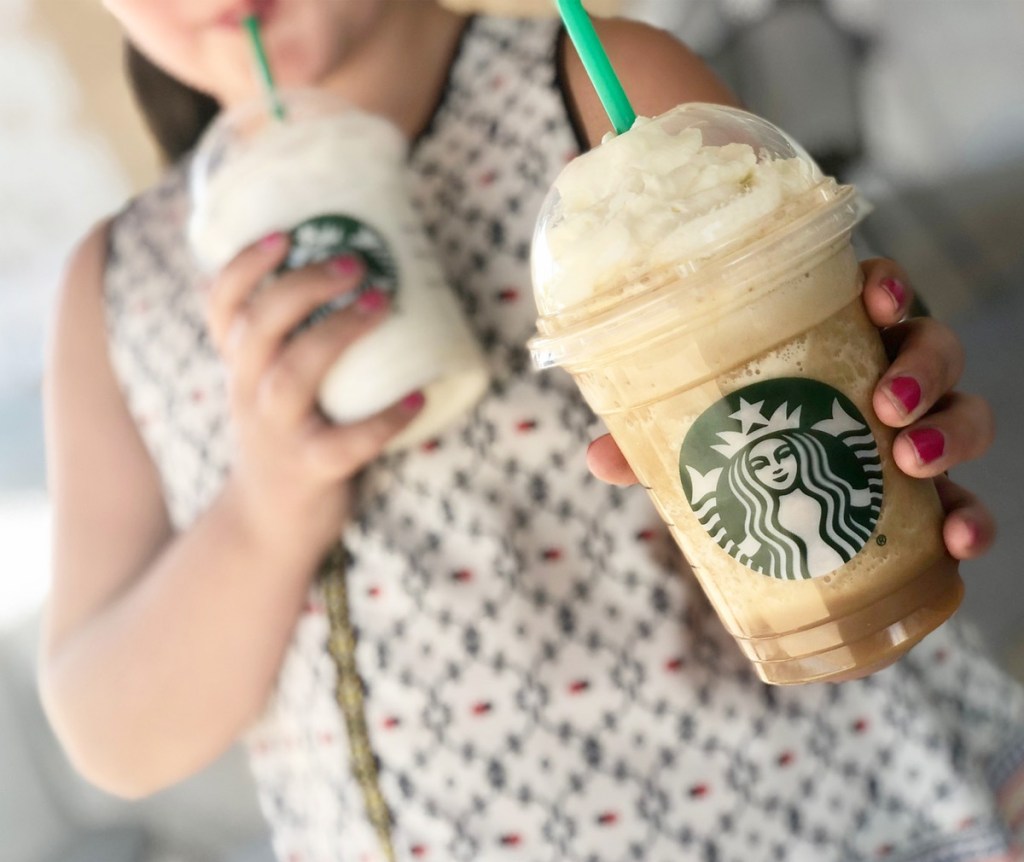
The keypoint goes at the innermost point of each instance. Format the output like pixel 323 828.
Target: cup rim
pixel 831 215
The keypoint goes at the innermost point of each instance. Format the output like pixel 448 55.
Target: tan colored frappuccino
pixel 695 276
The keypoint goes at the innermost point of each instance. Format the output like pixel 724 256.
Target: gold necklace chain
pixel 349 693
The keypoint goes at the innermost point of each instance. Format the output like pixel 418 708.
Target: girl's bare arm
pixel 158 649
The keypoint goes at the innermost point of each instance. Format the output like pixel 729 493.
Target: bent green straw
pixel 598 66
pixel 252 25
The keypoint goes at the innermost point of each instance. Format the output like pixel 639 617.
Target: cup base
pixel 448 398
pixel 866 641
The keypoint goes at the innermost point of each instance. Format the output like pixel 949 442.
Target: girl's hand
pixel 940 427
pixel 292 466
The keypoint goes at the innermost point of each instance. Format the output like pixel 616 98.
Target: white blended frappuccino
pixel 695 276
pixel 334 178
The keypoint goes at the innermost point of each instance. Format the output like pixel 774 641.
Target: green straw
pixel 252 25
pixel 598 66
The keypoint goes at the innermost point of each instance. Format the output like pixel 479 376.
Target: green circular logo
pixel 785 477
pixel 329 236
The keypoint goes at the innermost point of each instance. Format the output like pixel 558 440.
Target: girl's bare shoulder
pixel 657 71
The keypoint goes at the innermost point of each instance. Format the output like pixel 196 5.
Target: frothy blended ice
pixel 649 200
pixel 695 276
pixel 290 169
pixel 334 178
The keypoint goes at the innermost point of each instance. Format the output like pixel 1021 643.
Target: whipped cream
pixel 651 198
pixel 252 182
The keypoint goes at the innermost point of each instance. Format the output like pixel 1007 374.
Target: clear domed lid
pixel 670 196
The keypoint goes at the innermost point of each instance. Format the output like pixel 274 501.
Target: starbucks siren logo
pixel 785 477
pixel 330 236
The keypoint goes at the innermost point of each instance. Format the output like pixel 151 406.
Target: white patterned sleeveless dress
pixel 541 681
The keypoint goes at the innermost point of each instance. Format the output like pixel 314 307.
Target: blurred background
pixel 916 101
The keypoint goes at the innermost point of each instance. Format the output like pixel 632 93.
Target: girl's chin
pixel 245 85
pixel 297 71
pixel 297 61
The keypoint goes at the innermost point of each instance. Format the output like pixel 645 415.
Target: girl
pixel 538 680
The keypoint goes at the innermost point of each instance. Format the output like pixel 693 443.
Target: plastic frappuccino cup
pixel 695 276
pixel 335 179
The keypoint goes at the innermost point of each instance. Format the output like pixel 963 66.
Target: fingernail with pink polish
pixel 906 393
pixel 344 266
pixel 371 301
pixel 896 289
pixel 413 402
pixel 929 443
pixel 272 241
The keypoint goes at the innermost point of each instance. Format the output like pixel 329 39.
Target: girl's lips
pixel 233 18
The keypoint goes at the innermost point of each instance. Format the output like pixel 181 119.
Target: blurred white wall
pixel 73 149
pixel 62 169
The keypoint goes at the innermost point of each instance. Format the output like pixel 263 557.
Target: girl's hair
pixel 175 114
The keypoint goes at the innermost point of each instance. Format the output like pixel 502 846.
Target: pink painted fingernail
pixel 929 443
pixel 345 265
pixel 413 402
pixel 897 290
pixel 371 301
pixel 272 241
pixel 907 393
